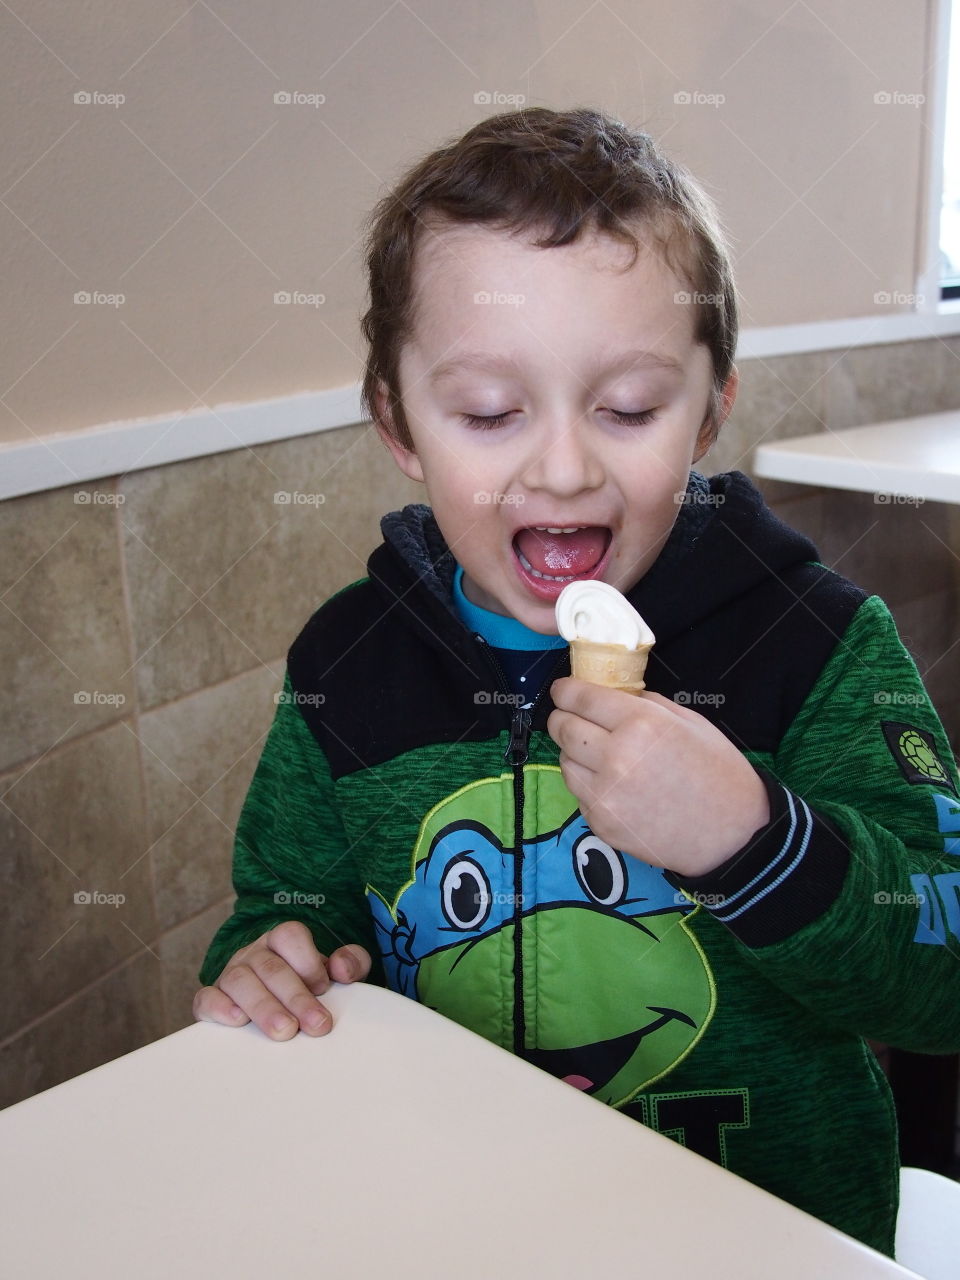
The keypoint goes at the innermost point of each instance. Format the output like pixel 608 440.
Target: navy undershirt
pixel 527 657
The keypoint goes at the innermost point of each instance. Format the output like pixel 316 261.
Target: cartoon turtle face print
pixel 613 987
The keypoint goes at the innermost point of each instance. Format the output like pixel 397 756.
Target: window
pixel 950 203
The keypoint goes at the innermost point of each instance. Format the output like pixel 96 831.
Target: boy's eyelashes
pixel 485 422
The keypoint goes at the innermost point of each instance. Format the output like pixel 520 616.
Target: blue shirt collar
pixel 497 629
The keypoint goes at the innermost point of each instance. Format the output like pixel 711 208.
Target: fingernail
pixel 281 1025
pixel 350 966
pixel 316 1019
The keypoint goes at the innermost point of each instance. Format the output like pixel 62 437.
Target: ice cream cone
pixel 612 665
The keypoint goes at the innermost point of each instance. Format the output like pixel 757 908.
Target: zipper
pixel 516 755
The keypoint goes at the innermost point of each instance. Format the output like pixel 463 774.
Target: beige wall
pixel 198 197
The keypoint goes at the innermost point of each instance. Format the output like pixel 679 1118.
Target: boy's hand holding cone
pixel 639 767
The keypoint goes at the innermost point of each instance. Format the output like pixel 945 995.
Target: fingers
pixel 606 707
pixel 350 963
pixel 273 995
pixel 275 980
pixel 210 1004
pixel 293 942
pixel 578 739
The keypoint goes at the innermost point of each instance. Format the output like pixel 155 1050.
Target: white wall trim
pixel 861 331
pixel 115 448
pixel 42 462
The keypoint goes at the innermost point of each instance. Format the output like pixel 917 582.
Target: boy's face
pixel 560 341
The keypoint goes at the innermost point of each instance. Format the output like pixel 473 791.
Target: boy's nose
pixel 562 463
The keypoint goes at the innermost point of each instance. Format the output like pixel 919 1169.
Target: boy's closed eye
pixel 485 422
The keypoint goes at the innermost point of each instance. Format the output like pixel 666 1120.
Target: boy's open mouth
pixel 549 557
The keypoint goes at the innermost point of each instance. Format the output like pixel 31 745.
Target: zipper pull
pixel 516 753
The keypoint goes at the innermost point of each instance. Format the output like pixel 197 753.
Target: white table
pixel 916 457
pixel 399 1145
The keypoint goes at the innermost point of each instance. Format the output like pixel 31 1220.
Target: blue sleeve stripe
pixel 723 915
pixel 732 897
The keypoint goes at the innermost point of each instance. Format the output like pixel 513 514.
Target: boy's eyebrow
pixel 487 362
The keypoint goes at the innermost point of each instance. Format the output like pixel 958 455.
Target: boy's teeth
pixel 550 577
pixel 543 528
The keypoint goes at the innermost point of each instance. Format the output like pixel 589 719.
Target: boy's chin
pixel 536 615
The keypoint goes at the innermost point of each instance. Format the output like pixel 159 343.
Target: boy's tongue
pixel 562 554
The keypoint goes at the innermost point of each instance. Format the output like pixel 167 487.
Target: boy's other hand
pixel 274 980
pixel 655 779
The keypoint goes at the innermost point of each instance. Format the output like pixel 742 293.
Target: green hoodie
pixel 405 802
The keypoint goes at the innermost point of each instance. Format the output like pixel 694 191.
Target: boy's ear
pixel 711 426
pixel 405 458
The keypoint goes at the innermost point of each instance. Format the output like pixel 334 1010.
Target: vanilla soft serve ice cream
pixel 609 641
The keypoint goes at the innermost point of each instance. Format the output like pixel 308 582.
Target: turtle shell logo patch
pixel 916 754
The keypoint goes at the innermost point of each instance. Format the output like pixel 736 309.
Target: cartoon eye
pixel 600 870
pixel 465 893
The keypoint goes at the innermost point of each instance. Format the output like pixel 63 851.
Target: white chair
pixel 928 1224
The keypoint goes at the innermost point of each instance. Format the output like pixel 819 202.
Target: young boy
pixel 693 904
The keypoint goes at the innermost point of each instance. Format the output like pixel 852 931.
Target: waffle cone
pixel 612 665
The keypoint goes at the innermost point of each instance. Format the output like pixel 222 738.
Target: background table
pixel 400 1144
pixel 919 457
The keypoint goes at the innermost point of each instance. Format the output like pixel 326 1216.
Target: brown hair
pixel 556 173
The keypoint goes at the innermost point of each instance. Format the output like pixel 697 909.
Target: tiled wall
pixel 143 639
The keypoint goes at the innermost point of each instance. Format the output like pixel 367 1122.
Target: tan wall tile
pixel 895 380
pixel 199 754
pixel 72 823
pixel 899 551
pixel 222 576
pixel 779 397
pixel 63 631
pixel 122 1012
pixel 182 951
